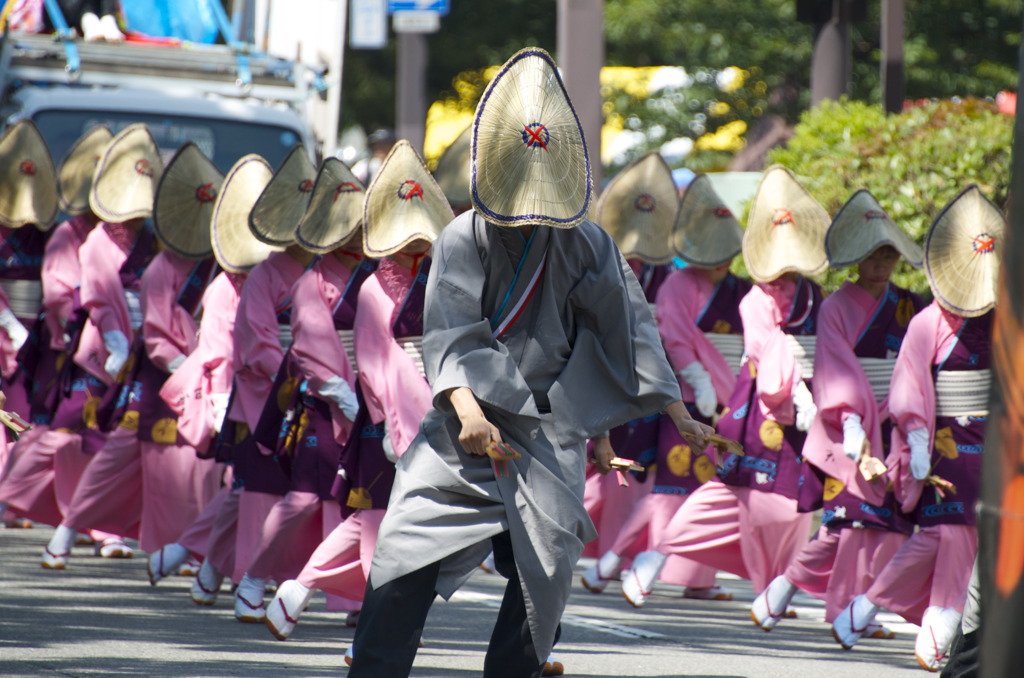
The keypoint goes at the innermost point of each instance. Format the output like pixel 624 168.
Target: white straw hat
pixel 785 229
pixel 335 211
pixel 454 168
pixel 706 233
pixel 280 207
pixel 962 252
pixel 530 163
pixel 74 179
pixel 860 227
pixel 236 248
pixel 184 203
pixel 403 204
pixel 639 207
pixel 124 183
pixel 28 180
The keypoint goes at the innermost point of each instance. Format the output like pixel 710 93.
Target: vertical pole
pixel 830 60
pixel 892 55
pixel 411 89
pixel 1001 509
pixel 580 58
pixel 332 112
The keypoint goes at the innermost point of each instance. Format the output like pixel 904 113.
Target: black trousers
pixel 392 618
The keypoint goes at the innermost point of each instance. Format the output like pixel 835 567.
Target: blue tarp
pixel 192 20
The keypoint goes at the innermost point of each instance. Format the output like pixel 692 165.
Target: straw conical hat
pixel 236 248
pixel 124 183
pixel 962 251
pixel 184 203
pixel 785 229
pixel 75 177
pixel 860 227
pixel 530 163
pixel 639 207
pixel 403 204
pixel 335 211
pixel 283 202
pixel 28 183
pixel 706 233
pixel 454 168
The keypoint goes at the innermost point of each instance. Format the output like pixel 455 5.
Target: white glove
pixel 15 330
pixel 806 410
pixel 220 409
pixel 117 346
pixel 853 437
pixel 340 393
pixel 389 450
pixel 173 366
pixel 699 380
pixel 920 453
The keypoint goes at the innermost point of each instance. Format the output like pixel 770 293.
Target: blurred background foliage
pixel 913 163
pixel 693 79
pixel 734 64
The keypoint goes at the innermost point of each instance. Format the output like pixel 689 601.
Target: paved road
pixel 101 618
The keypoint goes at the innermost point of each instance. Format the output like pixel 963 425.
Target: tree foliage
pixel 952 48
pixel 473 36
pixel 913 163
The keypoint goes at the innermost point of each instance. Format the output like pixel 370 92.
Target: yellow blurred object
pixel 728 137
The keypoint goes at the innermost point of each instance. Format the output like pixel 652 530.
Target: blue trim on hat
pixel 499 218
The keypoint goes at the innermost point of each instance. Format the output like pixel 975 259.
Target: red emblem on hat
pixel 206 193
pixel 984 243
pixel 28 168
pixel 536 135
pixel 345 187
pixel 782 217
pixel 875 214
pixel 305 186
pixel 410 189
pixel 645 202
pixel 722 212
pixel 143 168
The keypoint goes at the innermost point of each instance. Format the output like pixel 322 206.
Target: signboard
pixel 416 21
pixel 368 24
pixel 439 7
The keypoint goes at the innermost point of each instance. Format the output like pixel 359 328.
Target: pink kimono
pixel 301 520
pixel 265 305
pixel 396 393
pixel 42 477
pixel 205 375
pixel 688 304
pixel 209 369
pixel 102 257
pixel 176 484
pixel 21 255
pixel 862 528
pixel 608 504
pixel 935 562
pixel 737 527
pixel 172 484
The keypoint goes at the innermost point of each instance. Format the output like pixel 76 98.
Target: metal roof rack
pixel 233 70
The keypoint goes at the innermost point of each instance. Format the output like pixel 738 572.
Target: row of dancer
pixel 149 400
pixel 752 517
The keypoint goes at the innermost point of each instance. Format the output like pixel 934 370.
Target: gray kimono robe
pixel 584 356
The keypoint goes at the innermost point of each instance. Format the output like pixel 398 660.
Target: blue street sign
pixel 439 6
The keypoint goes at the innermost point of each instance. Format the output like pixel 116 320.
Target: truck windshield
pixel 223 141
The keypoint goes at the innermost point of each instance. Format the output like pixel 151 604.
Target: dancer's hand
pixel 694 432
pixel 477 433
pixel 603 454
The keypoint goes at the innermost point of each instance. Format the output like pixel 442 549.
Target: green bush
pixel 913 162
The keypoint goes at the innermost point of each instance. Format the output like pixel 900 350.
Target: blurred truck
pixel 226 98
